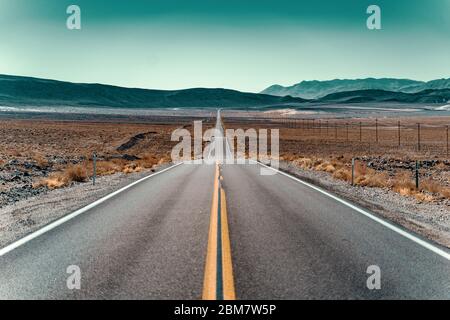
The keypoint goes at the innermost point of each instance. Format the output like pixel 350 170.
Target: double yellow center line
pixel 218 282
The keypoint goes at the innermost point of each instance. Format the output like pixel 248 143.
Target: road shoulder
pixel 28 215
pixel 429 220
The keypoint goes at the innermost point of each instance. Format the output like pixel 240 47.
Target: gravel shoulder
pixel 430 220
pixel 29 214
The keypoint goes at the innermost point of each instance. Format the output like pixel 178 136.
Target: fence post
pixel 418 136
pixel 353 171
pixel 446 128
pixel 376 129
pixel 335 131
pixel 360 131
pixel 399 141
pixel 417 175
pixel 347 130
pixel 94 169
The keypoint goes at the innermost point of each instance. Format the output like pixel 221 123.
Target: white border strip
pixel 388 225
pixel 72 215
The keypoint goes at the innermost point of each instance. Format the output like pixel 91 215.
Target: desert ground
pixel 37 155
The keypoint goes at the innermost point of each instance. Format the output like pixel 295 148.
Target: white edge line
pixel 388 225
pixel 72 215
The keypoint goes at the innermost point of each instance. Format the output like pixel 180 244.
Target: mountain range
pixel 429 96
pixel 319 89
pixel 27 91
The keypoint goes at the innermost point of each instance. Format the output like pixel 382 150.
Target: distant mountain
pixel 22 91
pixel 318 89
pixel 363 96
pixel 26 91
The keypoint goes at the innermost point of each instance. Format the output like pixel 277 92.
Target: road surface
pixel 157 240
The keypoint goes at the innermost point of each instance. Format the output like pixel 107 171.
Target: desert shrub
pixel 107 167
pixel 422 197
pixel 131 168
pixel 63 178
pixel 304 163
pixel 325 166
pixel 343 174
pixel 445 192
pixel 77 173
pixel 368 177
pixel 54 181
pixel 165 159
pixel 317 162
pixel 431 186
pixel 403 184
pixel 148 161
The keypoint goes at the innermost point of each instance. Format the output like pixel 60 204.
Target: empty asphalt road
pixel 148 242
pixel 292 242
pixel 288 241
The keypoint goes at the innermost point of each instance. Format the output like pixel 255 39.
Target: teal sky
pixel 241 44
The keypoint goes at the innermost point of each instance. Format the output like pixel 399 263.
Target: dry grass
pixel 325 166
pixel 107 167
pixel 343 174
pixel 148 161
pixel 77 173
pixel 422 197
pixel 82 172
pixel 446 192
pixel 73 173
pixel 131 168
pixel 55 181
pixel 431 186
pixel 341 170
pixel 402 182
pixel 373 179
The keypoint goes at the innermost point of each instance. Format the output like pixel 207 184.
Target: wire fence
pixel 419 137
pixel 429 138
